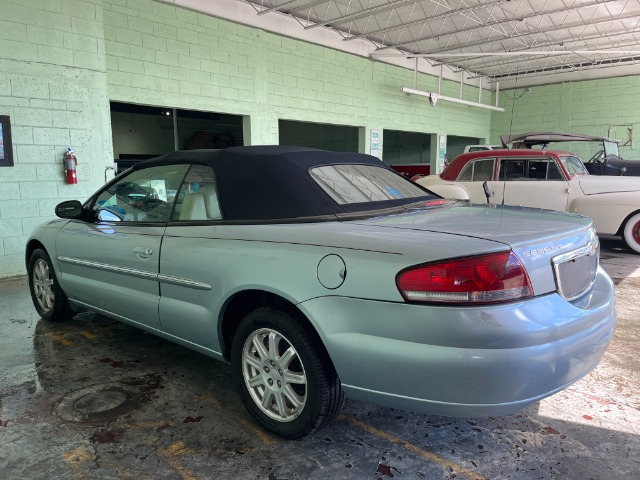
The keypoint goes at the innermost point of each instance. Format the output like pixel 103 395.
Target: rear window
pixel 347 184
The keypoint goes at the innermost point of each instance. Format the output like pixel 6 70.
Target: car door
pixel 109 261
pixel 193 264
pixel 531 182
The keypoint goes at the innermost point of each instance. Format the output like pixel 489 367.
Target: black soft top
pixel 273 182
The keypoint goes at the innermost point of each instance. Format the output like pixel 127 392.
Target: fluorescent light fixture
pixel 435 97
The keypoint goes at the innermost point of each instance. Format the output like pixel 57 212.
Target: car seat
pixel 193 207
pixel 211 202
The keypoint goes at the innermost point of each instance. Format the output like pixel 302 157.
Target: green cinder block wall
pixel 53 85
pixel 159 54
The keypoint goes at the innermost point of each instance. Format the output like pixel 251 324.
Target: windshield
pixel 611 148
pixel 348 184
pixel 573 165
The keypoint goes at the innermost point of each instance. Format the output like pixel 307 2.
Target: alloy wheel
pixel 43 285
pixel 274 375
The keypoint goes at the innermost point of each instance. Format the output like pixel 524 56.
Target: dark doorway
pixel 456 144
pixel 339 138
pixel 143 131
pixel 400 147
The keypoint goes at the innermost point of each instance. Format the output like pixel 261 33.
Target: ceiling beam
pixel 501 22
pixel 362 14
pixel 575 67
pixel 434 17
pixel 488 41
pixel 488 68
pixel 306 5
pixel 560 43
pixel 507 54
pixel 277 7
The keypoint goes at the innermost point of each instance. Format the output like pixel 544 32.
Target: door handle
pixel 143 251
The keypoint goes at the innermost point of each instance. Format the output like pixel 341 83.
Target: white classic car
pixel 546 179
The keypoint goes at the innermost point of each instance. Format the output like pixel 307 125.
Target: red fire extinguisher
pixel 70 164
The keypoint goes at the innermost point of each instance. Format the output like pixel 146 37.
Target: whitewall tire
pixel 631 233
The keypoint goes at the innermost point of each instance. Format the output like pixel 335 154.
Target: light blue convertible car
pixel 319 275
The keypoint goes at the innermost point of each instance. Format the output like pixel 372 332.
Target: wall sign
pixel 375 144
pixel 442 153
pixel 6 147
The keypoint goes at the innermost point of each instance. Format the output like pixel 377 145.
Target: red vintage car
pixel 412 170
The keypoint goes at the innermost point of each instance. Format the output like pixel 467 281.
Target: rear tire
pixel 284 377
pixel 631 233
pixel 48 298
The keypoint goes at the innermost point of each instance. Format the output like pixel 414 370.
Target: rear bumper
pixel 462 361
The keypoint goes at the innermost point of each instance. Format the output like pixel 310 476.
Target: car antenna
pixel 513 107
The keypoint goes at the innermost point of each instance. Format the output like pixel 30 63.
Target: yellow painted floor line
pixel 432 457
pixel 77 460
pixel 211 400
pixel 184 473
pixel 88 335
pixel 59 338
pixel 170 455
pixel 143 425
pixel 260 434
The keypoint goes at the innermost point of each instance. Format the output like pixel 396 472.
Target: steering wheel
pixel 598 157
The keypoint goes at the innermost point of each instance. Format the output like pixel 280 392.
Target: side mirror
pixel 69 209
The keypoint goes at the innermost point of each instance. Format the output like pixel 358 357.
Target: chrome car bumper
pixel 464 361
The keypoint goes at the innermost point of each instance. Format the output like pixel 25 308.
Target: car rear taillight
pixel 492 278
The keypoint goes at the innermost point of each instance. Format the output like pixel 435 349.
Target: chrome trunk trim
pixel 590 250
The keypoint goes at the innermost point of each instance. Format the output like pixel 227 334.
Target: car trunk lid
pixel 558 250
pixel 505 224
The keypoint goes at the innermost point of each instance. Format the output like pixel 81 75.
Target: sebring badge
pixel 542 251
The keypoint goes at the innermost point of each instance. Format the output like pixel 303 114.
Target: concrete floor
pixel 180 418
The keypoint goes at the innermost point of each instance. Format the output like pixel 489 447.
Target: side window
pixel 198 196
pixel 467 173
pixel 553 173
pixel 478 171
pixel 544 169
pixel 512 169
pixel 144 195
pixel 483 170
pixel 538 169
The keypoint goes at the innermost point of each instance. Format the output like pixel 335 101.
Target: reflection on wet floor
pixel 91 398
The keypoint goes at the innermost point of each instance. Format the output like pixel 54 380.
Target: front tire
pixel 631 233
pixel 48 298
pixel 283 375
